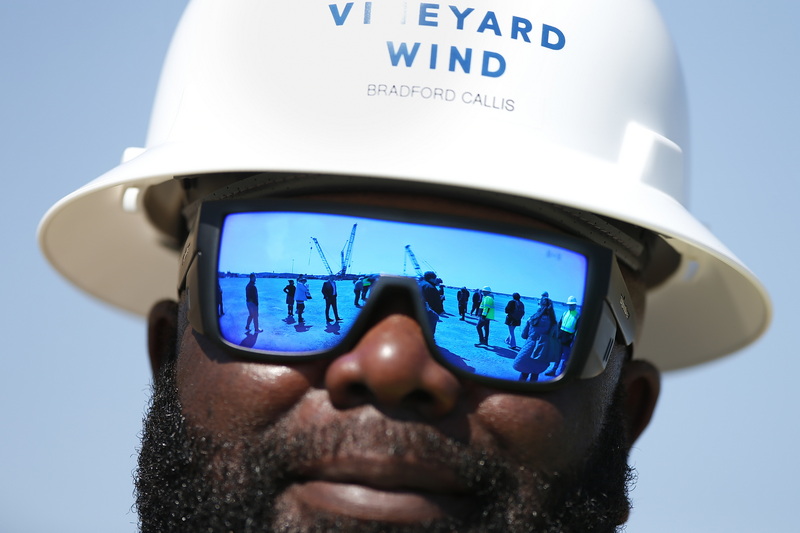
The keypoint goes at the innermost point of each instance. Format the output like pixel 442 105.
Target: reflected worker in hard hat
pixel 301 295
pixel 404 119
pixel 567 327
pixel 485 316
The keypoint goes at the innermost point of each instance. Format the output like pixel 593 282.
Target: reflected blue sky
pixel 281 242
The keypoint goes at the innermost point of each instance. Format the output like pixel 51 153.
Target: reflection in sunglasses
pixel 313 311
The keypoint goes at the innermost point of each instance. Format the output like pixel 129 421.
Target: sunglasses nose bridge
pixel 389 360
pixel 391 295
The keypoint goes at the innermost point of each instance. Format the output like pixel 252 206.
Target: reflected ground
pixel 456 338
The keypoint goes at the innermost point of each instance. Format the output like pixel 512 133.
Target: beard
pixel 188 481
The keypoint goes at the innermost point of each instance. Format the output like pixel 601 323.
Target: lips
pixel 394 489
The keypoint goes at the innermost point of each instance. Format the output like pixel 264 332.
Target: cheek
pixel 547 431
pixel 231 398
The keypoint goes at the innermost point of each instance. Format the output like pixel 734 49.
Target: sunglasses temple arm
pixel 617 317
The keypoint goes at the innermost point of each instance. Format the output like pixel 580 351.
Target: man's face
pixel 382 438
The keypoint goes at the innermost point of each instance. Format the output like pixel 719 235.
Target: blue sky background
pixel 77 84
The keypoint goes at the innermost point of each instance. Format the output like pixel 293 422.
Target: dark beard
pixel 187 482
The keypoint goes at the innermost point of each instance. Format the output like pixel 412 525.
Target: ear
pixel 642 382
pixel 162 331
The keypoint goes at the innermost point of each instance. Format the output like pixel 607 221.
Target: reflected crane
pixel 346 253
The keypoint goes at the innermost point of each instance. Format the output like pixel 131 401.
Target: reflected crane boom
pixel 322 255
pixel 413 260
pixel 348 251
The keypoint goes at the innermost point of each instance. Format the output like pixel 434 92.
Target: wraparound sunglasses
pixel 288 281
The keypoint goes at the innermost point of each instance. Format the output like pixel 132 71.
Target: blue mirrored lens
pixel 499 306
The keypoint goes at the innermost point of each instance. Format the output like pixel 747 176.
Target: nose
pixel 391 366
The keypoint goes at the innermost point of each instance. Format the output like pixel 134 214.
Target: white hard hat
pixel 574 102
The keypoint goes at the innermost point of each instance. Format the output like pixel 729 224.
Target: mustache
pixel 288 452
pixel 275 455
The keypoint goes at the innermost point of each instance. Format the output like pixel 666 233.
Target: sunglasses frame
pixel 607 306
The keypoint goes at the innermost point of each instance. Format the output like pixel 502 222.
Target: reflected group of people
pixel 361 287
pixel 297 294
pixel 547 339
pixel 548 343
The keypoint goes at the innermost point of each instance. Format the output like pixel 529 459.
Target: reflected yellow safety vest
pixel 488 307
pixel 569 320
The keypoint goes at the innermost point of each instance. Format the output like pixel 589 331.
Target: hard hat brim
pixel 712 306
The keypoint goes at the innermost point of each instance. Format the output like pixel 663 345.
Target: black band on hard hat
pixel 641 250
